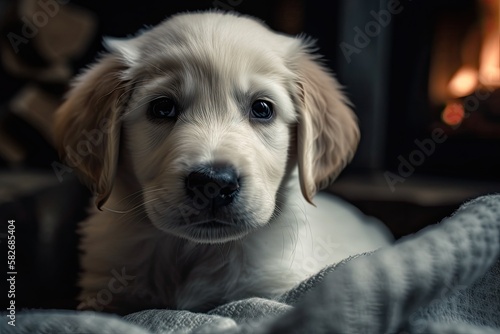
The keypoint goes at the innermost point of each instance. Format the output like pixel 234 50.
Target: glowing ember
pixel 464 82
pixel 453 114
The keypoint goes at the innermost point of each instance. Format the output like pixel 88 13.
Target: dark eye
pixel 262 110
pixel 163 108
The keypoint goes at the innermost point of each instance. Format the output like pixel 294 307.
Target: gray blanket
pixel 444 279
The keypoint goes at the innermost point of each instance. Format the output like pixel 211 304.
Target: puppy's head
pixel 208 110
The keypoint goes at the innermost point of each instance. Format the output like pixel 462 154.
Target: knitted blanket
pixel 444 279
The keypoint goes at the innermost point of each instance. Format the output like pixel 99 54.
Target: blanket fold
pixel 379 292
pixel 444 279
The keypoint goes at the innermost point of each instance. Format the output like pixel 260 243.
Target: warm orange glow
pixel 467 78
pixel 464 82
pixel 489 62
pixel 453 114
pixel 489 69
pixel 467 62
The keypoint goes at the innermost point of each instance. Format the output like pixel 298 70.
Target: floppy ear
pixel 327 131
pixel 87 125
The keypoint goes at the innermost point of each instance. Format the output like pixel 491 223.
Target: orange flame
pixel 464 82
pixel 489 68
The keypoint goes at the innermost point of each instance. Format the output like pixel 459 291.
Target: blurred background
pixel 424 77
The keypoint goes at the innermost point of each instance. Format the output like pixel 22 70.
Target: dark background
pixel 387 81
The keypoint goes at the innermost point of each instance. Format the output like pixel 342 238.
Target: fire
pixel 489 68
pixel 489 61
pixel 479 59
pixel 465 70
pixel 464 82
pixel 468 78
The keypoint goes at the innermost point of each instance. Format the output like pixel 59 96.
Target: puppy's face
pixel 207 130
pixel 212 106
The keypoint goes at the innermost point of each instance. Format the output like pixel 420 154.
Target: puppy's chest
pixel 195 279
pixel 203 278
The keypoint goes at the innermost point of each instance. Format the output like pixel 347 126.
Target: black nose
pixel 213 186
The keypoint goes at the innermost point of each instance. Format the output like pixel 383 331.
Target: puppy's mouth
pixel 212 224
pixel 212 231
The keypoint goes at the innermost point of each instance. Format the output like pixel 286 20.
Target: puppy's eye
pixel 261 110
pixel 163 108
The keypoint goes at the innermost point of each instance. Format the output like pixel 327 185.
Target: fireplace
pixel 426 89
pixel 445 79
pixel 432 71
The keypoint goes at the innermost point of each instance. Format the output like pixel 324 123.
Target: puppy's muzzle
pixel 213 186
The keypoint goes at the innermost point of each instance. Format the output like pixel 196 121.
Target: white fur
pixel 215 65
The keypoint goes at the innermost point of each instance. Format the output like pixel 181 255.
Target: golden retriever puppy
pixel 199 138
